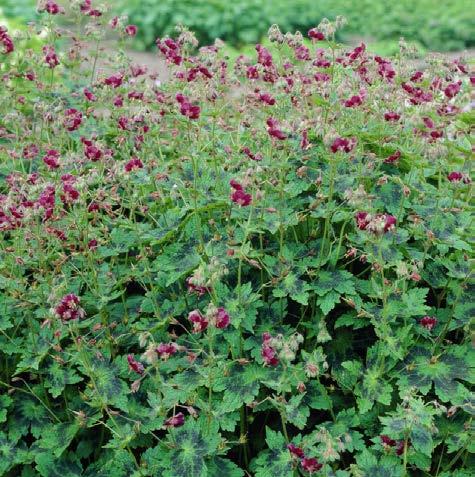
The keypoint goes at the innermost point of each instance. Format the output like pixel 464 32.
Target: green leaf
pixel 49 466
pixel 373 388
pixel 386 466
pixel 338 280
pixel 113 463
pixel 328 302
pixel 219 467
pixel 415 302
pixel 240 384
pixel 12 453
pixel 292 286
pixel 58 437
pixel 275 461
pixel 296 412
pixel 28 414
pixel 59 376
pixel 316 396
pixel 186 455
pixel 422 370
pixel 5 402
pixel 241 303
pixel 110 388
pixel 348 374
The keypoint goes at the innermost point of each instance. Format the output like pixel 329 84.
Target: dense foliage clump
pixel 258 268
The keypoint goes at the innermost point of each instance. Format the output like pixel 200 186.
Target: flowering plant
pixel 258 268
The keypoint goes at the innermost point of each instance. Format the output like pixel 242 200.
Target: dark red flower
pixel 187 108
pixel 200 290
pixel 356 53
pixel 190 111
pixel 302 53
pixel 458 176
pixel 70 194
pixel 452 89
pixel 6 41
pixel 51 159
pixel 252 72
pixel 114 80
pixel 267 98
pixel 92 244
pixel 175 421
pixel 92 152
pixel 343 144
pixel 240 197
pixel 250 155
pixel 316 35
pixel 53 8
pixel 135 366
pixel 400 447
pixel 428 322
pixel 170 49
pixel 123 123
pixel 362 220
pixel 428 123
pixel 263 56
pixel 50 56
pixel 455 176
pixel 295 451
pixel 310 464
pixel 222 318
pixel 134 164
pixel 387 441
pixel 304 142
pixel 390 222
pixel 393 158
pixel 274 130
pixel 268 353
pixel 68 308
pixel 385 69
pixel 436 134
pixel 324 77
pixel 86 9
pixel 118 101
pixel 417 76
pixel 165 350
pixel 200 323
pixel 392 116
pixel 72 119
pixel 89 95
pixel 131 30
pixel 355 100
pixel 30 151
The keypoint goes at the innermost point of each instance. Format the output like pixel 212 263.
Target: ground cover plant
pixel 259 268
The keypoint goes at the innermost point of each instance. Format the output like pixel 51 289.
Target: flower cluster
pixel 134 365
pixel 308 464
pixel 377 223
pixel 218 317
pixel 6 41
pixel 239 195
pixel 188 109
pixel 389 443
pixel 428 322
pixel 68 308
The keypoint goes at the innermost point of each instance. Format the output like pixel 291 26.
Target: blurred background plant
pixel 447 25
pixel 439 26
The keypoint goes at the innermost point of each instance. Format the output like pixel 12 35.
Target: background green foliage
pixel 441 26
pixel 446 25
